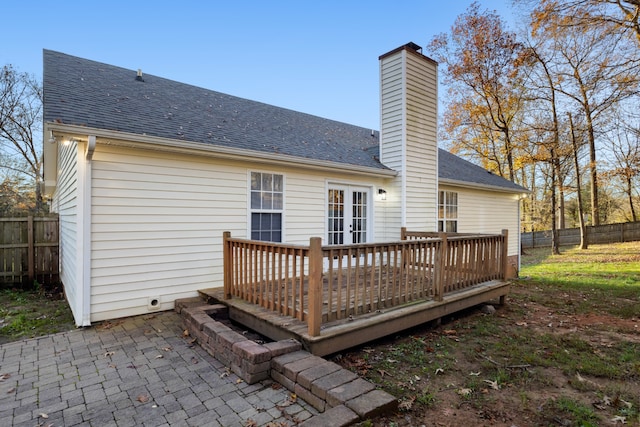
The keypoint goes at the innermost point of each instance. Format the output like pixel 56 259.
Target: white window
pixel 448 211
pixel 267 199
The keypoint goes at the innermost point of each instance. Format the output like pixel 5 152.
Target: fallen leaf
pixel 111 365
pixel 43 415
pixel 623 420
pixel 159 356
pixel 142 398
pixel 521 323
pixel 450 332
pixel 406 405
pixel 4 377
pixel 11 390
pixel 250 423
pixel 185 333
pixel 194 360
pixel 109 353
pixel 475 374
pixel 276 386
pixel 382 373
pixel 439 371
pixel 493 384
pixel 132 366
pixel 166 349
pixel 239 381
pixel 627 404
pixel 464 391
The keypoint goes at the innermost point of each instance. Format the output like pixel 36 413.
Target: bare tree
pixel 596 68
pixel 622 14
pixel 624 142
pixel 20 126
pixel 584 244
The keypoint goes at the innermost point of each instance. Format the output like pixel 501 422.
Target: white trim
pixel 467 184
pixel 147 142
pixel 403 137
pixel 83 242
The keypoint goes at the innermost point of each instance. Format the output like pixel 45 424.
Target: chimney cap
pixel 412 45
pixel 139 75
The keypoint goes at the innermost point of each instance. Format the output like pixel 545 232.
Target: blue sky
pixel 317 57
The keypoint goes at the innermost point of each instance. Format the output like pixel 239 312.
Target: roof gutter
pixel 148 142
pixel 467 184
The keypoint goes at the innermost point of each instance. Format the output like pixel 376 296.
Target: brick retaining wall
pixel 341 396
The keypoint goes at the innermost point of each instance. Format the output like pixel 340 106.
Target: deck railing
pixel 319 284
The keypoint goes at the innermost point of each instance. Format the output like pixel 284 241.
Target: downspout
pixel 86 232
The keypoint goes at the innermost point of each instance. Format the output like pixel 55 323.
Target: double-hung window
pixel 448 211
pixel 267 197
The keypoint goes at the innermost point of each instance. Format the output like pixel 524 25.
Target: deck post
pixel 505 254
pixel 439 266
pixel 315 286
pixel 403 233
pixel 227 263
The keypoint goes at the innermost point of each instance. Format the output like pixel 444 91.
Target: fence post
pixel 30 251
pixel 505 254
pixel 440 265
pixel 403 233
pixel 227 263
pixel 315 286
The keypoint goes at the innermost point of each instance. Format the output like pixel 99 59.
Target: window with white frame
pixel 267 199
pixel 448 211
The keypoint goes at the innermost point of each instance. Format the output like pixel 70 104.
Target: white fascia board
pixel 467 184
pixel 187 147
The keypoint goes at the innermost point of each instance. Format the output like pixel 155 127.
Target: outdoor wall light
pixel 383 193
pixel 52 139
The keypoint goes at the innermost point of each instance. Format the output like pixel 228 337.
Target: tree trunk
pixel 584 244
pixel 554 221
pixel 630 195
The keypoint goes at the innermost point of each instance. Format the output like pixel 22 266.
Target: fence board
pixel 29 250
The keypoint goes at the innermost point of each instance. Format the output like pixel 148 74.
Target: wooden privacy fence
pixel 596 234
pixel 29 250
pixel 320 284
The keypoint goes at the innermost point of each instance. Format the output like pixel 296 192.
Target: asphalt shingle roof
pixel 456 168
pixel 87 93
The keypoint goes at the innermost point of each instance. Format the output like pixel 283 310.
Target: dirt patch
pixel 528 364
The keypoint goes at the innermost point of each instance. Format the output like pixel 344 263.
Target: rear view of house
pixel 147 173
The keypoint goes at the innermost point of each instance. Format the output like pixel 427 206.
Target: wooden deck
pixel 359 328
pixel 338 296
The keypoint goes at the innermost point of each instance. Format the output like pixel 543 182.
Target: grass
pixel 524 356
pixel 603 278
pixel 28 314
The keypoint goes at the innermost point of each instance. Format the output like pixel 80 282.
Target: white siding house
pixel 146 174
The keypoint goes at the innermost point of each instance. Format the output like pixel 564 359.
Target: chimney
pixel 408 134
pixel 139 75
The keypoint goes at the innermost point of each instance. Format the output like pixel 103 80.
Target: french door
pixel 348 215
